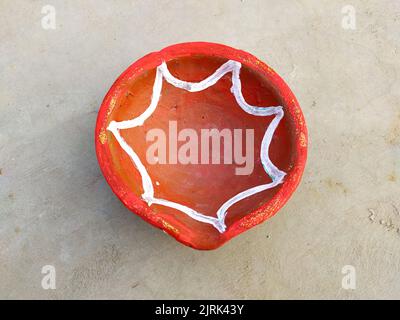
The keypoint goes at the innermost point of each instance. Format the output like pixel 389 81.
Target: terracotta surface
pixel 203 188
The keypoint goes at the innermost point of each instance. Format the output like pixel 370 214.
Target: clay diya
pixel 202 141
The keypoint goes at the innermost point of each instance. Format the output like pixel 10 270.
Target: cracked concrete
pixel 56 208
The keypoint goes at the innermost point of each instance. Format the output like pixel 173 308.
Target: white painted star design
pixel 273 172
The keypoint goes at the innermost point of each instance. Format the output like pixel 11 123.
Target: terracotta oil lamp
pixel 201 140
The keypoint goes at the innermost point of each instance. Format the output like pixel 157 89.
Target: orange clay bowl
pixel 195 192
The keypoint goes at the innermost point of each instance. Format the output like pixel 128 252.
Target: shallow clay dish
pixel 201 85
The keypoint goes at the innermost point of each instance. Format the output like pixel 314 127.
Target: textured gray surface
pixel 56 208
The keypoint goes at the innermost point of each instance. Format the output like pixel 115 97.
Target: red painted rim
pixel 289 102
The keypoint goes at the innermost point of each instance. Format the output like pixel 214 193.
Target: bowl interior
pixel 202 187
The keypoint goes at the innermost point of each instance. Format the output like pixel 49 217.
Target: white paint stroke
pixel 163 73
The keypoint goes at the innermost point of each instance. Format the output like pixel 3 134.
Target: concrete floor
pixel 56 208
